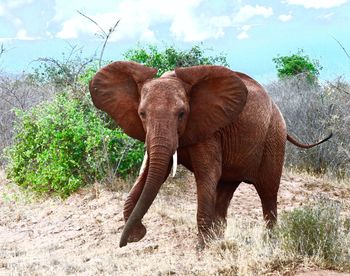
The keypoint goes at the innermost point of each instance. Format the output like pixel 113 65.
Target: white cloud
pixel 23 35
pixel 20 35
pixel 242 35
pixel 327 16
pixel 187 28
pixel 138 19
pixel 285 17
pixel 247 12
pixel 244 32
pixel 7 8
pixel 190 28
pixel 317 4
pixel 127 28
pixel 2 10
pixel 12 4
pixel 148 35
pixel 7 5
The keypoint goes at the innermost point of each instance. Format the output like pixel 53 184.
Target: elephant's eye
pixel 142 114
pixel 181 115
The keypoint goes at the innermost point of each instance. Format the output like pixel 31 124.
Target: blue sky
pixel 251 32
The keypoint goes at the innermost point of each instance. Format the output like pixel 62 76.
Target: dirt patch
pixel 321 273
pixel 80 235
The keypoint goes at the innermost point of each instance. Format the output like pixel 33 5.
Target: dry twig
pixel 104 34
pixel 341 45
pixel 2 49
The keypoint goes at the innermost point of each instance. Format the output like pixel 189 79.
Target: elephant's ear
pixel 217 96
pixel 115 90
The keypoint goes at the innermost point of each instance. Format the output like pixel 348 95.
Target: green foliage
pixel 314 231
pixel 170 57
pixel 297 64
pixel 64 72
pixel 87 75
pixel 62 145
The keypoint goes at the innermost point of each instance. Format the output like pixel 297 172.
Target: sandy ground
pixel 79 236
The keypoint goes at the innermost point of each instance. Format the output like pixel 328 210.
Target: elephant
pixel 219 124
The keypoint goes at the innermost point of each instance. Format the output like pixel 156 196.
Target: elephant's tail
pixel 306 146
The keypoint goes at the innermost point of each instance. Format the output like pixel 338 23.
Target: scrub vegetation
pixel 68 168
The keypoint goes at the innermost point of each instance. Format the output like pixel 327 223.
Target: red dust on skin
pixel 223 124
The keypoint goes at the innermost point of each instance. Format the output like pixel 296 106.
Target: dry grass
pixel 79 236
pixel 249 250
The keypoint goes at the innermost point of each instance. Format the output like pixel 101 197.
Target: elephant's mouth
pixel 144 163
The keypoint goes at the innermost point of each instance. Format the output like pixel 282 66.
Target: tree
pixel 299 65
pixel 170 57
pixel 64 73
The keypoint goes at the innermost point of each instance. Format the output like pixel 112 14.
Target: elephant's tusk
pixel 174 164
pixel 144 163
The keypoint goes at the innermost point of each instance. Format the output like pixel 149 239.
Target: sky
pixel 249 32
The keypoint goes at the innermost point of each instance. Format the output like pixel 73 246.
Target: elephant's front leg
pixel 207 162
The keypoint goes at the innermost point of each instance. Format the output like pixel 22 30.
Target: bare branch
pixel 338 88
pixel 341 45
pixel 110 31
pixel 2 49
pixel 105 35
pixel 83 65
pixel 93 21
pixel 72 51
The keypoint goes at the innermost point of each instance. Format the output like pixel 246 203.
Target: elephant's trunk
pixel 159 158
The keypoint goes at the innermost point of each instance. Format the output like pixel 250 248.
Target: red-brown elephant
pixel 223 125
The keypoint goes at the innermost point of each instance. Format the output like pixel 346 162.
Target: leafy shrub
pixel 63 72
pixel 62 145
pixel 315 235
pixel 17 92
pixel 297 64
pixel 170 57
pixel 314 231
pixel 87 75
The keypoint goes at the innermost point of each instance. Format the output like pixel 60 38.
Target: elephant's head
pixel 178 109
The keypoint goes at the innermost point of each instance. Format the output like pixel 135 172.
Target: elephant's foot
pixel 219 229
pixel 207 235
pixel 137 233
pixel 200 245
pixel 204 238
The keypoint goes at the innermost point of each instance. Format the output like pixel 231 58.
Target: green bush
pixel 297 64
pixel 63 145
pixel 315 231
pixel 315 235
pixel 170 57
pixel 62 72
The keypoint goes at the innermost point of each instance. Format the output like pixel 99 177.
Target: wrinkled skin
pixel 224 126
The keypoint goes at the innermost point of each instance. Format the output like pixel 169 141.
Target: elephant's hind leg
pixel 224 193
pixel 270 170
pixel 268 184
pixel 268 197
